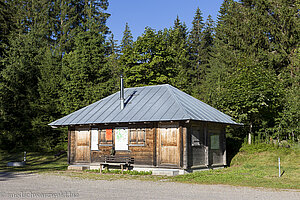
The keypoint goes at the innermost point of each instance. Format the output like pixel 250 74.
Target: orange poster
pixel 108 134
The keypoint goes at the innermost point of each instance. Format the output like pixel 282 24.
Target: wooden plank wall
pixel 147 155
pixel 143 155
pixel 71 145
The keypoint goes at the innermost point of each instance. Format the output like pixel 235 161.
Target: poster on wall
pixel 94 139
pixel 121 139
pixel 108 135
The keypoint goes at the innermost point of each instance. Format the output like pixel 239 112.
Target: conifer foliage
pixel 57 56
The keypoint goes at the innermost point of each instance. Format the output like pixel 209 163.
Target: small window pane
pixel 214 142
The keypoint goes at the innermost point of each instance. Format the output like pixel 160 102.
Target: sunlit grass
pixel 255 166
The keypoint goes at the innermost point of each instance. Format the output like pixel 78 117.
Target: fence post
pixel 279 166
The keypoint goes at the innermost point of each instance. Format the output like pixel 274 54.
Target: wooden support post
pixel 185 147
pixel 122 168
pixel 100 168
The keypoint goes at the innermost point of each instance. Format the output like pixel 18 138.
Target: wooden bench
pixel 121 160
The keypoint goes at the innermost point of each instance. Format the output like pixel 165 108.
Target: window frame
pixel 137 142
pixel 105 143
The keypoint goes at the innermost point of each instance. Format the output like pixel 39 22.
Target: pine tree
pixel 196 46
pixel 127 40
pixel 200 47
pixel 84 73
pixel 178 48
pixel 7 25
pixel 48 104
pixel 207 42
pixel 18 90
pixel 126 51
pixel 113 62
pixel 94 16
pixel 19 78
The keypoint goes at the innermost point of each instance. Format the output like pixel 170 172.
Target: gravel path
pixel 46 186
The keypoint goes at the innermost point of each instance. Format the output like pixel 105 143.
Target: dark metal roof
pixel 146 104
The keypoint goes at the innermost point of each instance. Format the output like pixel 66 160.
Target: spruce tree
pixel 19 78
pixel 127 39
pixel 178 48
pixel 48 105
pixel 19 90
pixel 200 47
pixel 126 51
pixel 196 46
pixel 6 24
pixel 84 73
pixel 113 62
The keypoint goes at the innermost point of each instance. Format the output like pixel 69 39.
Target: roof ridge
pixel 176 99
pixel 146 86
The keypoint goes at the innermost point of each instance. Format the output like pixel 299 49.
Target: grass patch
pixel 117 171
pixel 108 176
pixel 35 161
pixel 254 166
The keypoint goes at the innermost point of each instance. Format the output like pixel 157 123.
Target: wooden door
pixel 82 145
pixel 198 146
pixel 169 148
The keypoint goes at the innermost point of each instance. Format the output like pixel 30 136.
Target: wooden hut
pixel 159 126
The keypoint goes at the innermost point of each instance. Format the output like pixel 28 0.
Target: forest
pixel 57 56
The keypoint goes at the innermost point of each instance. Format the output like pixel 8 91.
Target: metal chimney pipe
pixel 122 93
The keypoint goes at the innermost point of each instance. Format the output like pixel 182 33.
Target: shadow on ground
pixel 7 175
pixel 36 162
pixel 233 146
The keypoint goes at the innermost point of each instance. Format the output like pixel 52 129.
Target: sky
pixel 156 14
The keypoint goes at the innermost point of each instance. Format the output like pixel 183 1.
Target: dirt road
pixel 46 186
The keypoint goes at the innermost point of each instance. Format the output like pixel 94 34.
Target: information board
pixel 94 139
pixel 121 138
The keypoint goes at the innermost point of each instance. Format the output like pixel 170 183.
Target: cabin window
pixel 215 142
pixel 137 137
pixel 197 138
pixel 106 137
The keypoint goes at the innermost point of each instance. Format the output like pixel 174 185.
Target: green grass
pixel 254 166
pixel 35 161
pixel 117 171
pixel 107 176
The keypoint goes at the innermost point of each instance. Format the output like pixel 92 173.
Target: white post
pixel 24 156
pixel 279 166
